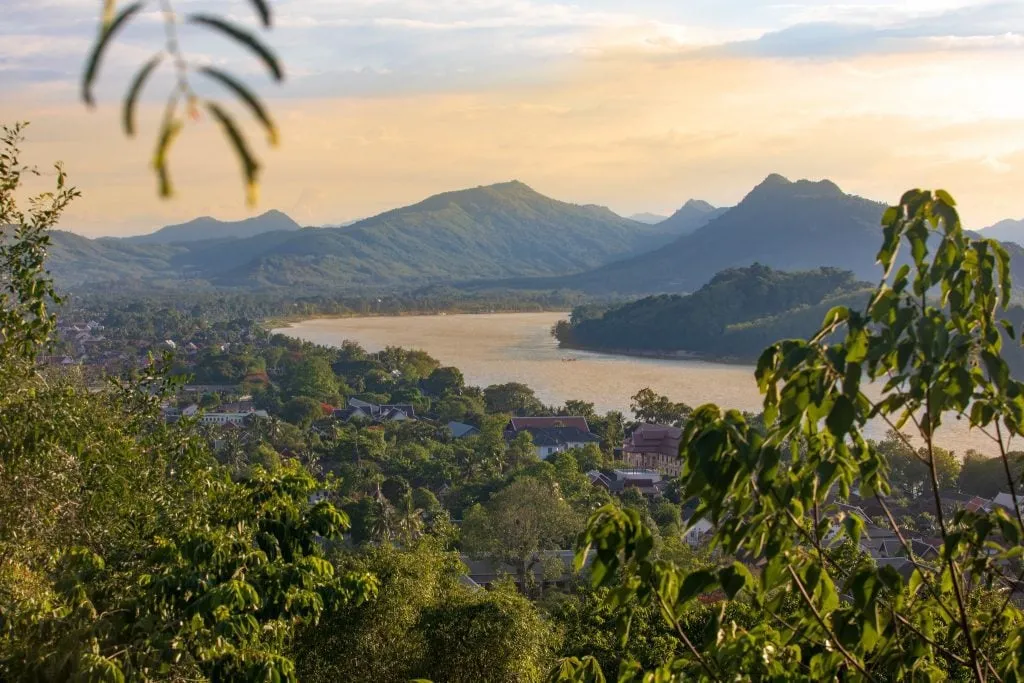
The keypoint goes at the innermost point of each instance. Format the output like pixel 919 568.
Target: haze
pixel 637 105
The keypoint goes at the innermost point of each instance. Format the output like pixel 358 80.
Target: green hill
pixel 206 228
pixel 737 314
pixel 781 224
pixel 502 231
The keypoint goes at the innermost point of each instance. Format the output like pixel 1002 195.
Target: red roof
pixel 520 423
pixel 659 439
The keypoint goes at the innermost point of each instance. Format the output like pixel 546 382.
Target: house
pixel 1005 500
pixel 550 568
pixel 236 419
pixel 552 435
pixel 654 447
pixel 647 482
pixel 461 430
pixel 363 411
pixel 697 531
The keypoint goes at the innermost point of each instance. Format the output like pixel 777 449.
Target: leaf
pixel 695 584
pixel 168 133
pixel 134 90
pixel 92 65
pixel 263 9
pixel 244 37
pixel 258 110
pixel 945 197
pixel 249 166
pixel 734 579
pixel 854 527
pixel 840 418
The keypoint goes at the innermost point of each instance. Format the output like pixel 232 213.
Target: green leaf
pixel 734 579
pixel 249 166
pixel 853 525
pixel 107 32
pixel 243 93
pixel 128 114
pixel 245 38
pixel 262 9
pixel 945 197
pixel 696 583
pixel 840 418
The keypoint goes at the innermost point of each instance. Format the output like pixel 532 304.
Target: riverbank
pixel 287 322
pixel 659 355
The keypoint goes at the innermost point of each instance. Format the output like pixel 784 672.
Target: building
pixel 654 447
pixel 647 482
pixel 461 430
pixel 548 568
pixel 237 419
pixel 552 435
pixel 364 411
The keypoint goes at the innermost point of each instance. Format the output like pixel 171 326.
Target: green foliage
pixel 652 408
pixel 26 288
pixel 512 397
pixel 426 624
pixel 931 334
pixel 125 551
pixel 735 314
pixel 524 518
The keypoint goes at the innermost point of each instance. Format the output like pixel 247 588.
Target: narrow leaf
pixel 92 65
pixel 135 90
pixel 263 9
pixel 249 166
pixel 246 95
pixel 168 133
pixel 244 37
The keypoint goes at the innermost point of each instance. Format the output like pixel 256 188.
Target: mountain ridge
pixel 207 227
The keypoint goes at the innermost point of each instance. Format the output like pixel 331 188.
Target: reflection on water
pixel 518 347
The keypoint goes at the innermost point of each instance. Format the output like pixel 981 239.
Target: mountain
pixel 206 228
pixel 737 314
pixel 1006 231
pixel 781 224
pixel 693 215
pixel 500 231
pixel 648 218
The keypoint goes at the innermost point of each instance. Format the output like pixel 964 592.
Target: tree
pixel 583 409
pixel 653 408
pixel 425 624
pixel 931 332
pixel 312 377
pixel 909 473
pixel 517 524
pixel 984 476
pixel 512 397
pixel 302 411
pixel 443 381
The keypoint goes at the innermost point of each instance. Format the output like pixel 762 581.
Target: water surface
pixel 518 347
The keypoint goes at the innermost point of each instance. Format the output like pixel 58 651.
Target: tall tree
pixel 517 524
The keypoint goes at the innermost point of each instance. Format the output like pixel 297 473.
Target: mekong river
pixel 518 347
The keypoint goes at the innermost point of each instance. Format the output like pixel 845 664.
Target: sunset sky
pixel 635 104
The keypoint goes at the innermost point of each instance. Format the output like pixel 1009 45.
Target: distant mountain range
pixel 501 231
pixel 504 236
pixel 1006 231
pixel 206 228
pixel 649 218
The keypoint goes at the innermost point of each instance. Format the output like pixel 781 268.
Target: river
pixel 518 347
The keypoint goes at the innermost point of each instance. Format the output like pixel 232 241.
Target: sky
pixel 634 104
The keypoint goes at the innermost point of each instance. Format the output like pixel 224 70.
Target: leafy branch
pixel 183 102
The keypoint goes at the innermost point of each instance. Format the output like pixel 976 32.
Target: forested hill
pixel 737 314
pixel 206 228
pixel 782 224
pixel 500 231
